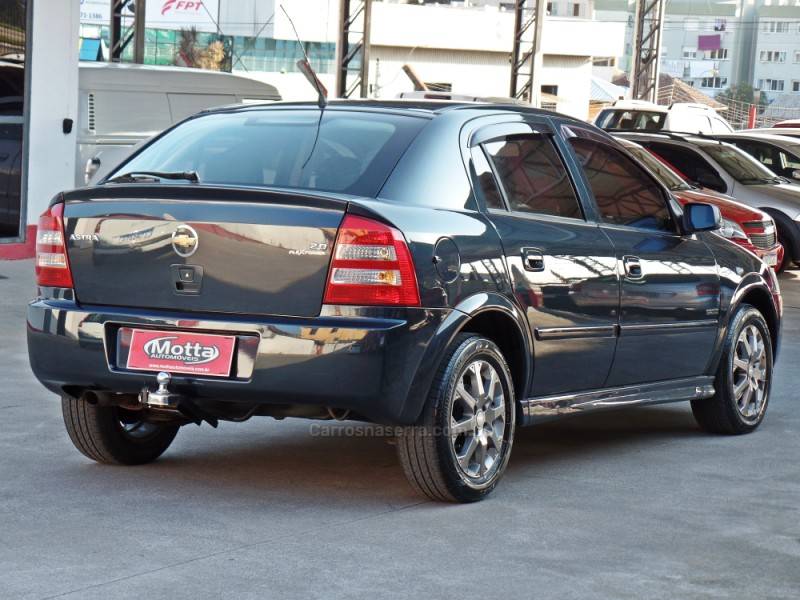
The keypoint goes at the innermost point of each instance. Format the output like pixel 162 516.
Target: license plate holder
pixel 771 258
pixel 188 353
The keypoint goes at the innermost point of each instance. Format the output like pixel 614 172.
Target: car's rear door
pixel 562 266
pixel 670 298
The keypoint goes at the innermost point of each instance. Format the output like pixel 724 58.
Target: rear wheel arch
pixel 490 315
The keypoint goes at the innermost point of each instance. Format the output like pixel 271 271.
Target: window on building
pixel 533 176
pixel 576 9
pixel 775 27
pixel 714 82
pixel 795 86
pixel 773 56
pixel 721 54
pixel 623 192
pixel 689 52
pixel 797 56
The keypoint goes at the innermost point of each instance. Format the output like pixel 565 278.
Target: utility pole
pixel 117 42
pixel 526 55
pixel 646 68
pixel 352 49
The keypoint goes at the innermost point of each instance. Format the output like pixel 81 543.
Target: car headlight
pixel 732 230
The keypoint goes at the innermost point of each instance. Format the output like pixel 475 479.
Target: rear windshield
pixel 346 151
pixel 631 120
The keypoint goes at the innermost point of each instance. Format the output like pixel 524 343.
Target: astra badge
pixel 184 241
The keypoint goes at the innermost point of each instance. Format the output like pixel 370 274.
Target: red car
pixel 747 226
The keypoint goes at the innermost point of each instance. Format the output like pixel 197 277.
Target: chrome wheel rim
pixel 749 374
pixel 478 421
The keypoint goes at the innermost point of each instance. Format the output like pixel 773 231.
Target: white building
pixel 777 49
pixel 462 47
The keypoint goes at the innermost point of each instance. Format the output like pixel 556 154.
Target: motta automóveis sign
pixel 177 352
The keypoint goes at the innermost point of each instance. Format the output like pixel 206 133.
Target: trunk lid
pixel 202 249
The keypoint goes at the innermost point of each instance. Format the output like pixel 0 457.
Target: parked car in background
pixel 724 168
pixel 791 123
pixel 747 226
pixel 121 105
pixel 790 132
pixel 780 154
pixel 639 115
pixel 447 268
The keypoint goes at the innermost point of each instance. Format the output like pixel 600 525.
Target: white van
pixel 682 117
pixel 122 105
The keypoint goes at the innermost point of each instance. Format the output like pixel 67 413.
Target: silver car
pixel 779 153
pixel 724 168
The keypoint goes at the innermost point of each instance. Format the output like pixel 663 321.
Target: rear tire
pixel 743 378
pixel 459 449
pixel 111 435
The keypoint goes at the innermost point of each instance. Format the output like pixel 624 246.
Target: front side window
pixel 625 195
pixel 533 176
pixel 739 165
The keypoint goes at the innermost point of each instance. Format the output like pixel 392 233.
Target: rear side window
pixel 624 193
pixel 533 176
pixel 346 151
pixel 691 164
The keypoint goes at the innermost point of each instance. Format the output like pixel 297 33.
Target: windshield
pixel 666 175
pixel 350 152
pixel 740 165
pixel 631 120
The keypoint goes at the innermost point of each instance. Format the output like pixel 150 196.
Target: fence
pixel 740 114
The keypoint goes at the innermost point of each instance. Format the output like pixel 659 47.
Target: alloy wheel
pixel 749 374
pixel 478 421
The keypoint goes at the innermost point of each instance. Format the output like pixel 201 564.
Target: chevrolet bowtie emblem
pixel 184 241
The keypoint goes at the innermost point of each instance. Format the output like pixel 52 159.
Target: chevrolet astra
pixel 450 269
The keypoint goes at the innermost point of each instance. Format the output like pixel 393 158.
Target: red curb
pixel 26 249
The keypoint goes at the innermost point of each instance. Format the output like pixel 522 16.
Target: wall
pixel 53 97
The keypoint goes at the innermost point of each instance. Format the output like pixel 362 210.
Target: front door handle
pixel 633 267
pixel 532 259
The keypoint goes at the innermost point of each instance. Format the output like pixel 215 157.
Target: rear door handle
pixel 633 267
pixel 533 259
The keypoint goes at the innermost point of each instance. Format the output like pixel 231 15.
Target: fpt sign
pixel 160 14
pixel 181 5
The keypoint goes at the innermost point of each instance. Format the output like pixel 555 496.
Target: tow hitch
pixel 163 399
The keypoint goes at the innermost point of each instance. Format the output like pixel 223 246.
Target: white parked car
pixel 122 105
pixel 638 115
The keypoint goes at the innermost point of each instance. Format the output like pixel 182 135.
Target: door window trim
pixel 677 230
pixel 481 147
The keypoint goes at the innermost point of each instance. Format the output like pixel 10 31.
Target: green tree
pixel 742 93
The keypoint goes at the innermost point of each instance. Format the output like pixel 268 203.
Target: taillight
pixel 371 265
pixel 52 265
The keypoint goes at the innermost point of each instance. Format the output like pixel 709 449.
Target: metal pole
pixel 139 27
pixel 348 51
pixel 525 83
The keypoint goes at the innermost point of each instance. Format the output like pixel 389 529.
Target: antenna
pixel 306 69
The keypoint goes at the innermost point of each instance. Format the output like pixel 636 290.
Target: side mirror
pixel 699 216
pixel 795 174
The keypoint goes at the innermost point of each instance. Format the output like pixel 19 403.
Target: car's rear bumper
pixel 362 359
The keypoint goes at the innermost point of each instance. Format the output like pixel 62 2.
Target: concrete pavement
pixel 634 504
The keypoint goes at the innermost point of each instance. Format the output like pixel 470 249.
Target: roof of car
pixel 431 107
pixel 758 135
pixel 667 136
